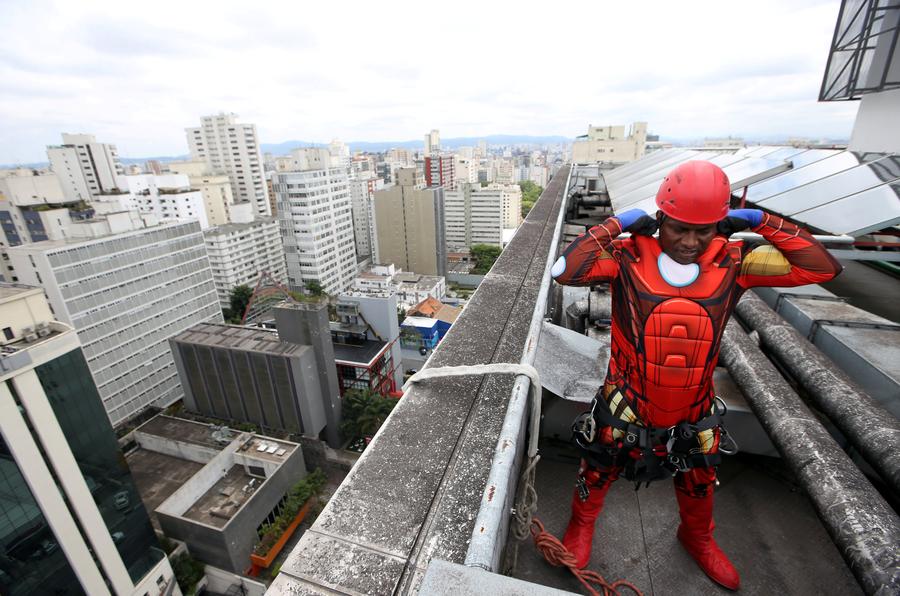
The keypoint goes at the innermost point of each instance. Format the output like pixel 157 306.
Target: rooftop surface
pixel 224 498
pixel 764 524
pixel 178 429
pixel 268 449
pixel 238 338
pixel 13 290
pixel 157 476
pixel 359 354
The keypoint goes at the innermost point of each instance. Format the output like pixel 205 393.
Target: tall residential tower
pixel 231 147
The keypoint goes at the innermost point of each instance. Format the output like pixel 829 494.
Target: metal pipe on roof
pixel 871 429
pixel 860 522
pixel 823 238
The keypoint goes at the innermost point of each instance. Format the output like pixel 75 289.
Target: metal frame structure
pixel 266 294
pixel 859 31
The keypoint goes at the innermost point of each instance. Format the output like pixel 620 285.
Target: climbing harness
pixel 649 453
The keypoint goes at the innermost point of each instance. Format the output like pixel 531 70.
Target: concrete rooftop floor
pixel 759 517
pixel 158 476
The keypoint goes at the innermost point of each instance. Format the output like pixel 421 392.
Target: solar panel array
pixel 836 191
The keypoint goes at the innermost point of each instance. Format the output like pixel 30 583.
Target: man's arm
pixel 794 258
pixel 591 257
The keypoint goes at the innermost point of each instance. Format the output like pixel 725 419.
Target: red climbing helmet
pixel 695 192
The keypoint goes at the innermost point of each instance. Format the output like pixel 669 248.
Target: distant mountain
pixel 454 143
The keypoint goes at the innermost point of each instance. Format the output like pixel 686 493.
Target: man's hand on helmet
pixel 738 220
pixel 637 221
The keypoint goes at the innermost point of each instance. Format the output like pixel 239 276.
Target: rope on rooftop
pixel 559 556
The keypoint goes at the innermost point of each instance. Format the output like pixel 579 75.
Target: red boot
pixel 580 532
pixel 696 535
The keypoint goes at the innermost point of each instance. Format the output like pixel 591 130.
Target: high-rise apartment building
pixel 231 147
pixel 362 194
pixel 84 166
pixel 240 252
pixel 432 142
pixel 73 522
pixel 440 170
pixel 476 215
pixel 316 219
pixel 126 290
pixel 409 225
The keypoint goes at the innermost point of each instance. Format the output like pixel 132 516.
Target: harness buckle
pixel 581 486
pixel 586 426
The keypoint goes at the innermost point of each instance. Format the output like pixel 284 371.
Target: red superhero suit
pixel 664 347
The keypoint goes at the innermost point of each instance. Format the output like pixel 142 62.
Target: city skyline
pixel 364 73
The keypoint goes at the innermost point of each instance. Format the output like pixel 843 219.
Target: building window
pixel 8 333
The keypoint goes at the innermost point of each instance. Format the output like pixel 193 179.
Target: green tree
pixel 240 298
pixel 314 287
pixel 401 315
pixel 531 192
pixel 188 571
pixel 364 411
pixel 484 255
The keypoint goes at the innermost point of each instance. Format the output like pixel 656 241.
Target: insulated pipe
pixel 862 525
pixel 600 306
pixel 576 313
pixel 871 429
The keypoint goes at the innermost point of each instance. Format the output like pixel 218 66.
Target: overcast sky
pixel 137 73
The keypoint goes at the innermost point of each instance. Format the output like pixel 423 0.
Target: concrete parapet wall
pixel 182 450
pixel 182 499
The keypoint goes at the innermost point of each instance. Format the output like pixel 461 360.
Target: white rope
pixel 526 500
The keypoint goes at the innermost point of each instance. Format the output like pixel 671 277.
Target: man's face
pixel 682 241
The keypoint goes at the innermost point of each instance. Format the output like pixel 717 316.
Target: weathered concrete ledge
pixel 415 492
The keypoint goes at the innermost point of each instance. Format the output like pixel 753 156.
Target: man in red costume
pixel 656 414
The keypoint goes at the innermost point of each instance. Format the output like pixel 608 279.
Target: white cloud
pixel 138 74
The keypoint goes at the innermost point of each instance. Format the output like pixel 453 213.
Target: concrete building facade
pixel 126 290
pixel 409 225
pixel 84 166
pixel 316 218
pixel 218 198
pixel 249 375
pixel 610 144
pixel 362 194
pixel 169 197
pixel 72 516
pixel 231 147
pixel 440 170
pixel 477 215
pixel 240 252
pixel 432 142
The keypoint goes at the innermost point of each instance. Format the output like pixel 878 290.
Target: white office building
pixel 231 147
pixel 476 215
pixel 84 166
pixel 240 252
pixel 73 520
pixel 316 219
pixel 169 197
pixel 126 290
pixel 362 194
